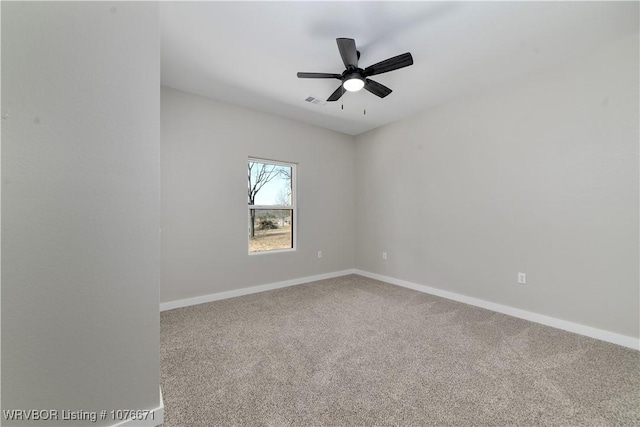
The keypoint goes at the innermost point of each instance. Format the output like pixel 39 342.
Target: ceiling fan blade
pixel 336 95
pixel 377 88
pixel 348 52
pixel 318 76
pixel 390 64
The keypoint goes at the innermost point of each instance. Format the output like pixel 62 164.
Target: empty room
pixel 320 213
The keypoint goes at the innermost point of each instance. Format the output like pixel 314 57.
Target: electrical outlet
pixel 319 254
pixel 384 255
pixel 522 278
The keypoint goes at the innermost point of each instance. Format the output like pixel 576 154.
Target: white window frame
pixel 292 207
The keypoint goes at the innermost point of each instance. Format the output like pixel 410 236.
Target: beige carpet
pixel 355 351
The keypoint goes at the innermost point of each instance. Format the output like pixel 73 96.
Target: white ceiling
pixel 248 53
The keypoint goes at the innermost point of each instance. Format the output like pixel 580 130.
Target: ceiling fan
pixel 354 78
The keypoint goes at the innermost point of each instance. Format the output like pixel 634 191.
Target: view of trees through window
pixel 271 205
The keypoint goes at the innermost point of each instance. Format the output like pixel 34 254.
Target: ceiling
pixel 248 53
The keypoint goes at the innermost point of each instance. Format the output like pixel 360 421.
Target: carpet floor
pixel 353 351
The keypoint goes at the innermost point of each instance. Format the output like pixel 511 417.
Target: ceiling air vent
pixel 315 100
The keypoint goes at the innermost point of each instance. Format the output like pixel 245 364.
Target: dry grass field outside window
pixel 268 240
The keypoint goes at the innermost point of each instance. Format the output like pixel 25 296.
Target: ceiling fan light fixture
pixel 353 84
pixel 354 78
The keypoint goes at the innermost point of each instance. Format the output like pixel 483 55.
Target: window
pixel 271 195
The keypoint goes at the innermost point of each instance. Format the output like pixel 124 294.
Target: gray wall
pixel 80 207
pixel 205 147
pixel 539 176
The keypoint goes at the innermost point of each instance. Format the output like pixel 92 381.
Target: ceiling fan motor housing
pixel 357 73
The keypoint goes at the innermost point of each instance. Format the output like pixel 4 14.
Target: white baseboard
pixel 155 418
pixel 252 290
pixel 623 340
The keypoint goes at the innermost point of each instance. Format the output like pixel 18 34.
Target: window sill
pixel 274 251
